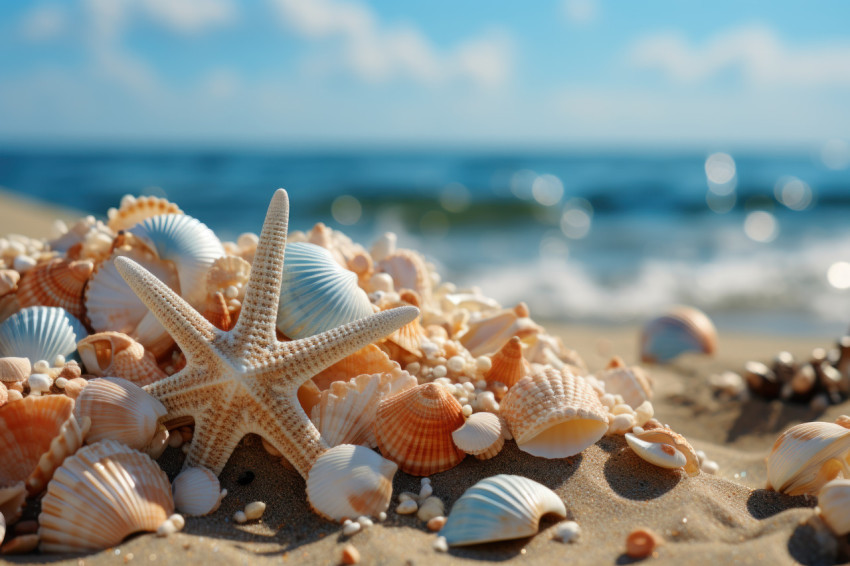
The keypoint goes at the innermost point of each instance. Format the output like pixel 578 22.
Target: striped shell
pixel 136 209
pixel 508 365
pixel 99 496
pixel 408 270
pixel 115 354
pixel 14 370
pixel 632 383
pixel 487 335
pixel 368 360
pixel 806 456
pixel 56 283
pixel 40 333
pixel 197 492
pixel 481 435
pixel 657 453
pixel 683 329
pixel 348 481
pixel 317 294
pixel 834 504
pixel 664 435
pixel 414 429
pixel 226 271
pixel 502 507
pixel 554 415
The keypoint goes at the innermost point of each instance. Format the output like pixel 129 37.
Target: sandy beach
pixel 725 518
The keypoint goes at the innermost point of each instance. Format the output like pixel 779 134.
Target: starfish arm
pixel 191 331
pixel 218 430
pixel 258 317
pixel 182 392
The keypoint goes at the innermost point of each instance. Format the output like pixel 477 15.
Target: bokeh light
pixel 835 154
pixel 720 172
pixel 838 275
pixel 721 204
pixel 793 193
pixel 346 210
pixel 455 197
pixel 547 190
pixel 761 226
pixel 576 218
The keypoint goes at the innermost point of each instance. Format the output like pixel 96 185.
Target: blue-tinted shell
pixel 40 333
pixel 683 329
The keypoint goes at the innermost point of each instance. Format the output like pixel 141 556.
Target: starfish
pixel 244 380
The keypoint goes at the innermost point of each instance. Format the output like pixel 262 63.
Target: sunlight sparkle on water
pixel 720 172
pixel 547 190
pixel 838 275
pixel 761 226
pixel 793 193
pixel 576 218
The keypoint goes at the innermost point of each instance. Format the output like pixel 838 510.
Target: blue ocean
pixel 759 241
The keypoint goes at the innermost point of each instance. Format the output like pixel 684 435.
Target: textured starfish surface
pixel 244 380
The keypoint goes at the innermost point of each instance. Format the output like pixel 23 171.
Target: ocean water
pixel 759 241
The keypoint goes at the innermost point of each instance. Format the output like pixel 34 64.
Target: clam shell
pixel 501 507
pixel 657 453
pixel 119 410
pixel 683 329
pixel 217 312
pixel 488 334
pixel 197 492
pixel 8 281
pixel 631 383
pixel 136 209
pixel 12 498
pixel 349 481
pixel 408 270
pixel 480 436
pixel 115 354
pixel 806 456
pixel 99 496
pixel 317 294
pixel 834 504
pixel 414 429
pixel 368 360
pixel 40 333
pixel 667 436
pixel 554 415
pixel 508 365
pixel 14 370
pixel 56 283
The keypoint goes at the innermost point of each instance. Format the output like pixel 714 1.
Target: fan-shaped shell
pixel 414 429
pixel 345 413
pixel 348 481
pixel 115 354
pixel 119 410
pixel 317 294
pixel 368 360
pixel 508 365
pixel 56 283
pixel 136 209
pixel 40 333
pixel 409 337
pixel 488 334
pixel 554 415
pixel 683 329
pixel 806 456
pixel 14 370
pixel 834 504
pixel 664 435
pixel 197 492
pixel 99 496
pixel 657 453
pixel 502 507
pixel 408 270
pixel 227 271
pixel 481 435
pixel 631 383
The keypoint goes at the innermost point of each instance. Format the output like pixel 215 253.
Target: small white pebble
pixel 440 545
pixel 178 521
pixel 412 368
pixel 407 507
pixel 483 363
pixel 407 496
pixel 637 430
pixel 425 492
pixel 39 382
pixel 567 531
pixel 436 523
pixel 469 386
pixel 439 371
pixel 644 412
pixel 351 528
pixel 365 522
pixel 481 385
pixel 60 382
pixel 622 409
pixel 41 366
pixel 621 424
pixel 455 364
pixel 175 440
pixel 23 263
pixel 423 481
pixel 466 410
pixel 710 467
pixel 240 517
pixel 607 400
pixel 166 528
pixel 255 510
pixel 59 361
pixel 700 456
pixel 231 292
pixel 382 516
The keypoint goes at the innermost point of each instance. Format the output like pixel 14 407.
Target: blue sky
pixel 578 73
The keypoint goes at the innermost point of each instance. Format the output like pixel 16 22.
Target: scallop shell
pixel 136 209
pixel 834 504
pixel 683 329
pixel 487 335
pixel 119 410
pixel 226 271
pixel 368 360
pixel 8 281
pixel 508 365
pixel 632 383
pixel 657 453
pixel 414 429
pixel 317 294
pixel 501 507
pixel 665 435
pixel 12 498
pixel 806 456
pixel 409 337
pixel 554 415
pixel 217 312
pixel 36 434
pixel 345 413
pixel 40 333
pixel 99 496
pixel 408 270
pixel 349 481
pixel 14 370
pixel 480 436
pixel 115 354
pixel 56 283
pixel 197 492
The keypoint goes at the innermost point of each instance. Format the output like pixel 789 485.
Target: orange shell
pixel 668 436
pixel 226 271
pixel 115 354
pixel 508 365
pixel 56 283
pixel 217 313
pixel 408 270
pixel 135 210
pixel 14 370
pixel 368 360
pixel 488 335
pixel 414 429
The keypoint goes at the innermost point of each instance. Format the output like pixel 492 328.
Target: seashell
pixel 408 337
pixel 115 354
pixel 488 335
pixel 8 281
pixel 57 283
pixel 408 270
pixel 99 496
pixel 40 333
pixel 501 507
pixel 508 365
pixel 12 498
pixel 348 481
pixel 471 301
pixel 480 436
pixel 316 293
pixel 667 436
pixel 197 492
pixel 834 505
pixel 227 271
pixel 14 370
pixel 36 434
pixel 136 209
pixel 119 410
pixel 414 429
pixel 641 543
pixel 632 383
pixel 657 453
pixel 4 394
pixel 85 239
pixel 806 456
pixel 384 246
pixel 218 313
pixel 683 329
pixel 345 413
pixel 368 360
pixel 763 381
pixel 554 415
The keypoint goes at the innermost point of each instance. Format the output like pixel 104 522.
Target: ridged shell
pixel 657 453
pixel 8 281
pixel 317 294
pixel 36 434
pixel 368 360
pixel 12 498
pixel 217 312
pixel 683 329
pixel 665 435
pixel 414 429
pixel 502 507
pixel 226 271
pixel 115 354
pixel 348 481
pixel 135 209
pixel 554 415
pixel 345 413
pixel 56 283
pixel 99 496
pixel 14 370
pixel 508 365
pixel 408 270
pixel 480 436
pixel 197 492
pixel 119 410
pixel 806 456
pixel 631 383
pixel 834 504
pixel 409 337
pixel 40 333
pixel 487 335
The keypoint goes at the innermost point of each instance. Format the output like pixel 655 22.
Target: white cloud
pixel 580 12
pixel 190 16
pixel 44 22
pixel 756 52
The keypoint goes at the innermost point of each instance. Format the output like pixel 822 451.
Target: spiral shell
pixel 56 283
pixel 481 435
pixel 197 492
pixel 115 354
pixel 807 456
pixel 683 329
pixel 508 365
pixel 40 333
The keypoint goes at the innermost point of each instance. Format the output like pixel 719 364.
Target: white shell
pixel 40 333
pixel 481 435
pixel 631 383
pixel 806 456
pixel 501 507
pixel 197 491
pixel 834 503
pixel 488 334
pixel 348 481
pixel 657 453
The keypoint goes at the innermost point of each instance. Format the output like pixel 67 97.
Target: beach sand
pixel 727 518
